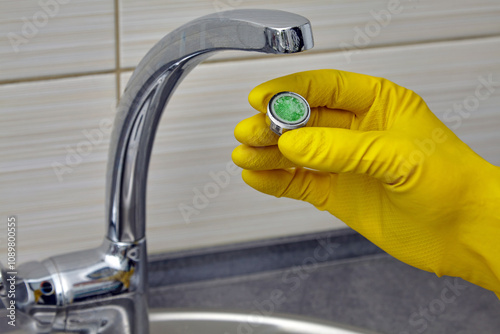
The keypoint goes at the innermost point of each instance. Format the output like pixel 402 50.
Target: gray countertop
pixel 338 276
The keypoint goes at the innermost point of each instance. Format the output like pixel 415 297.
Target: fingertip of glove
pixel 300 83
pixel 254 179
pixel 271 182
pixel 254 131
pixel 241 132
pixel 259 97
pixel 238 156
pixel 297 143
pixel 247 176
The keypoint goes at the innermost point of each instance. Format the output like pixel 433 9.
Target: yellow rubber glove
pixel 376 157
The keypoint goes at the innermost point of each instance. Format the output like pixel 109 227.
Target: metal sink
pixel 170 321
pixel 191 321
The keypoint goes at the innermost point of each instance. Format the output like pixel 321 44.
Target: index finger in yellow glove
pixel 260 151
pixel 322 88
pixel 254 131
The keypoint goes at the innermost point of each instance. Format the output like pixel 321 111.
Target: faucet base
pixel 96 291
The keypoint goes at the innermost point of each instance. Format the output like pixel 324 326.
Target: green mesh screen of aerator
pixel 289 109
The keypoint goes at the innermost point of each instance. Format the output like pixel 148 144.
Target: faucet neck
pixel 137 119
pixel 152 85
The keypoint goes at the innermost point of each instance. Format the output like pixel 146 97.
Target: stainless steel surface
pixel 155 80
pixel 279 125
pixel 104 290
pixel 170 321
pixel 212 322
pixel 101 290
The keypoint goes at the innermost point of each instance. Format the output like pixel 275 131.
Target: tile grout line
pixel 336 51
pixel 369 47
pixel 117 49
pixel 117 70
pixel 56 77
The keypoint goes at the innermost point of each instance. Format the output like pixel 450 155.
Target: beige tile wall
pixel 59 83
pixel 47 38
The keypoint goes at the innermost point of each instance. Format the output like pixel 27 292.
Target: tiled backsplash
pixel 64 62
pixel 47 38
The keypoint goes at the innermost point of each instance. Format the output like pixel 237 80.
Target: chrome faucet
pixel 104 290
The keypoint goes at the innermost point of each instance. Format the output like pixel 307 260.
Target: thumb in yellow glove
pixel 376 157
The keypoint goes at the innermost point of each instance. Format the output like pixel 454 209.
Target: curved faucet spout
pixel 155 80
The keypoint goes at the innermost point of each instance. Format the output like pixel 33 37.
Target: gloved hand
pixel 376 157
